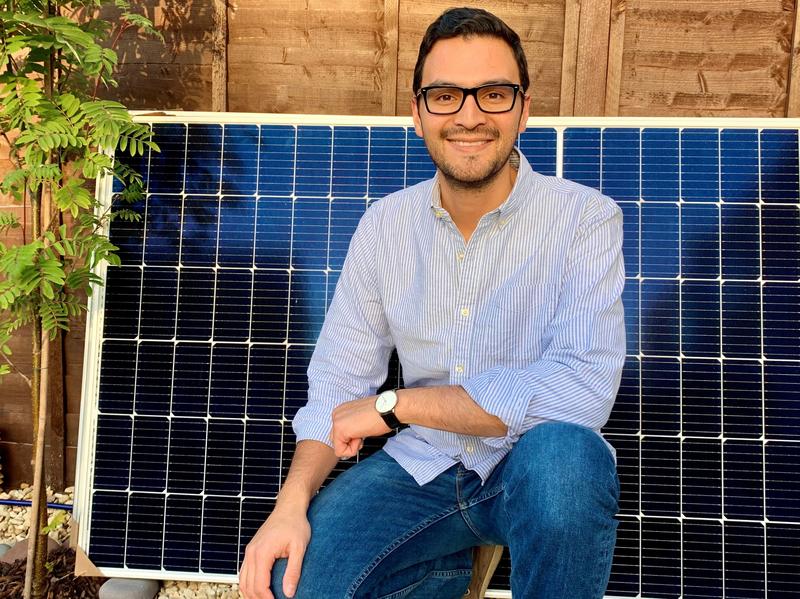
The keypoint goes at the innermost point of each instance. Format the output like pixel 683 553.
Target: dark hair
pixel 467 22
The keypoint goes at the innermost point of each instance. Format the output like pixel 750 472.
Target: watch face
pixel 386 401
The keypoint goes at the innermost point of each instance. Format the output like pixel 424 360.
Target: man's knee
pixel 315 582
pixel 562 449
pixel 562 472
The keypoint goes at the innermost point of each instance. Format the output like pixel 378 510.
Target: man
pixel 500 289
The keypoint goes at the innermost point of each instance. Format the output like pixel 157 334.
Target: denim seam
pixel 598 580
pixel 473 502
pixel 435 574
pixel 397 542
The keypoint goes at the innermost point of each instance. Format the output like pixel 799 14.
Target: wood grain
pixel 692 58
pixel 616 44
pixel 389 48
pixel 219 60
pixel 592 63
pixel 569 56
pixel 332 57
pixel 793 92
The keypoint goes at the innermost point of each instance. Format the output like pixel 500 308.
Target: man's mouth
pixel 468 143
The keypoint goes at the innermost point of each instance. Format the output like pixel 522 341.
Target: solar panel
pixel 198 344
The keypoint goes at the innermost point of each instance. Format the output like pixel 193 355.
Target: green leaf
pixel 47 289
pixel 73 197
pixel 8 220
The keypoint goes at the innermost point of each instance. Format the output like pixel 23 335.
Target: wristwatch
pixel 385 404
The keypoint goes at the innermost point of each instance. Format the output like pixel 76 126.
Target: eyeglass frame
pixel 470 91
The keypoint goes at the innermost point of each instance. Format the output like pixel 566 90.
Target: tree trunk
pixel 38 552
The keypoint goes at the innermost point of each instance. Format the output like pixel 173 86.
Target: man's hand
pixel 353 421
pixel 284 534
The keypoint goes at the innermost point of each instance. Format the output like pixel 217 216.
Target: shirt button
pixel 469 448
pixel 459 368
pixel 464 311
pixel 460 256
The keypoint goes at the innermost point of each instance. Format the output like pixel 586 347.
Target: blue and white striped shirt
pixel 526 316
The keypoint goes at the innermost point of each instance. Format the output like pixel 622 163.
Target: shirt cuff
pixel 311 426
pixel 500 392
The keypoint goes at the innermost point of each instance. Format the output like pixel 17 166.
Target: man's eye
pixel 443 97
pixel 493 95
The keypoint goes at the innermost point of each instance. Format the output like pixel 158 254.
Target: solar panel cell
pixel 660 165
pixel 621 155
pixel 743 558
pixel 187 447
pixel 701 479
pixel 539 146
pixel 182 519
pixel 700 165
pixel 739 165
pixel 702 577
pixel 145 530
pixel 743 479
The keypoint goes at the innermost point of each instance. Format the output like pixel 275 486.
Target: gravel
pixel 14 527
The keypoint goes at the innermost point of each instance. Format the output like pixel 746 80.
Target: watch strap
pixel 390 419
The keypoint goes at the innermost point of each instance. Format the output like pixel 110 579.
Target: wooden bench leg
pixel 484 561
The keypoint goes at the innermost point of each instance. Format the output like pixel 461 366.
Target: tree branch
pixel 17 370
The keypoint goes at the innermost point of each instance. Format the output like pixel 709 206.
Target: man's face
pixel 470 147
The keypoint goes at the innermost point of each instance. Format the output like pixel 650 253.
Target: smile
pixel 469 143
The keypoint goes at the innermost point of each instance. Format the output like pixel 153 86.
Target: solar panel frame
pixel 778 197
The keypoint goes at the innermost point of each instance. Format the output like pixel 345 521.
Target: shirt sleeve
pixel 578 374
pixel 351 356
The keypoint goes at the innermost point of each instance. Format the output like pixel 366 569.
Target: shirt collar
pixel 521 185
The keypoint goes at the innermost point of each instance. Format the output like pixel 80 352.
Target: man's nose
pixel 470 116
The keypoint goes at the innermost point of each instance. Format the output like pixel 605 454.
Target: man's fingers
pixel 339 447
pixel 293 567
pixel 262 578
pixel 353 446
pixel 345 448
pixel 255 577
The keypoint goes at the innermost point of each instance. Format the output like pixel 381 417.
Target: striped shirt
pixel 526 316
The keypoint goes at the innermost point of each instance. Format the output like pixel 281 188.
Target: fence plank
pixel 569 56
pixel 592 64
pixel 616 44
pixel 219 57
pixel 390 49
pixel 793 101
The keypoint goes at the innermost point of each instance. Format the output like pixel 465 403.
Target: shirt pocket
pixel 518 317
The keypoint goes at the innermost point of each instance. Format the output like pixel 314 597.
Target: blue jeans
pixel 376 534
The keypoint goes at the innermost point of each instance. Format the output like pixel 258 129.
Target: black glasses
pixel 492 98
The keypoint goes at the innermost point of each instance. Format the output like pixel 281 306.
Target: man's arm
pixel 447 408
pixel 286 532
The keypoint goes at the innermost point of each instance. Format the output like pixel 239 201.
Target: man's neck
pixel 466 205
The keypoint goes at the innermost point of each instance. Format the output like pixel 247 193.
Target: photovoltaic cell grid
pixel 209 325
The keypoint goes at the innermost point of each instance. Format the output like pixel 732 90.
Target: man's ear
pixel 415 116
pixel 526 112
